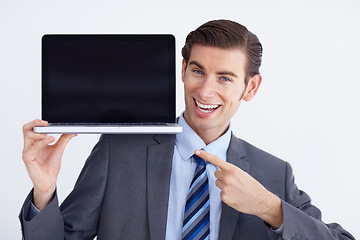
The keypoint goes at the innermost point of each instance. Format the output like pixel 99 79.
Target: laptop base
pixel 169 128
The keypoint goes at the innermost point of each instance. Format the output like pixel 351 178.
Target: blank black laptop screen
pixel 108 78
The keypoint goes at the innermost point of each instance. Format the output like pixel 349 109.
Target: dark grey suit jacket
pixel 123 192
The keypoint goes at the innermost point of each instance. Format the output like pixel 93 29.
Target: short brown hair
pixel 227 34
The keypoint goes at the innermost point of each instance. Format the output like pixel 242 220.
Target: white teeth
pixel 205 108
pixel 205 111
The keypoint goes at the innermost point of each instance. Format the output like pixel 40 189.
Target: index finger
pixel 29 134
pixel 214 160
pixel 35 123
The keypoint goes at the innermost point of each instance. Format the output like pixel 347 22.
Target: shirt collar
pixel 188 141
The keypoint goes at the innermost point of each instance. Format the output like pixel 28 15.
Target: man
pixel 144 186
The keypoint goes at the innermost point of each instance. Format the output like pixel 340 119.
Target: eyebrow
pixel 196 64
pixel 229 73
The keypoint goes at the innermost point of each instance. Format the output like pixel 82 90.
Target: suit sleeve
pixel 302 220
pixel 78 216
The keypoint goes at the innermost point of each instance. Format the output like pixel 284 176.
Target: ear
pixel 183 70
pixel 253 87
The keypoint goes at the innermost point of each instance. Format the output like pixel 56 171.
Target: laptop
pixel 108 84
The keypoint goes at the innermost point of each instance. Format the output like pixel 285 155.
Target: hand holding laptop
pixel 43 161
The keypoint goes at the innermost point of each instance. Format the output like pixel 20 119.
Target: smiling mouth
pixel 206 108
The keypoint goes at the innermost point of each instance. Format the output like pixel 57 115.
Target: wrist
pixel 272 212
pixel 42 198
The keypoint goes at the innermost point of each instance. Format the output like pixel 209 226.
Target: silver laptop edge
pixel 169 128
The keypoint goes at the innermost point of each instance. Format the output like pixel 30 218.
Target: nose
pixel 207 89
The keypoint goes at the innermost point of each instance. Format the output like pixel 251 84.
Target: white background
pixel 306 111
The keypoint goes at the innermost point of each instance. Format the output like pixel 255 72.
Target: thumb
pixel 64 140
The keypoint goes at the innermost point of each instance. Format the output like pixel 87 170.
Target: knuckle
pixel 226 188
pixel 222 195
pixel 233 171
pixel 25 156
pixel 218 183
pixel 227 180
pixel 225 197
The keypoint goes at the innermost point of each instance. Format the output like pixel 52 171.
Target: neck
pixel 208 135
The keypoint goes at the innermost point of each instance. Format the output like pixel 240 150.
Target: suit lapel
pixel 229 216
pixel 159 163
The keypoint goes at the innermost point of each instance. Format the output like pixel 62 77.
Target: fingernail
pixel 197 152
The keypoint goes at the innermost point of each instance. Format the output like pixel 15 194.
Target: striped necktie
pixel 197 209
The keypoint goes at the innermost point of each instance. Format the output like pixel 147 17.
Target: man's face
pixel 214 84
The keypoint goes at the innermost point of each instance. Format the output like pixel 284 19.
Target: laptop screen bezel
pixel 46 44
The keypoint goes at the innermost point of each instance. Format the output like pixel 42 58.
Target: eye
pixel 198 72
pixel 225 79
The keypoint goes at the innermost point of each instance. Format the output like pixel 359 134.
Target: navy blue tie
pixel 196 225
